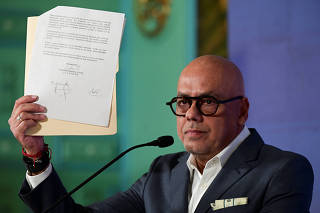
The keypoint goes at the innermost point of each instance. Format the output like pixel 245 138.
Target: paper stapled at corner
pixel 59 127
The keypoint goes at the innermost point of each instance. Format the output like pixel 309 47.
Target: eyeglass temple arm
pixel 231 99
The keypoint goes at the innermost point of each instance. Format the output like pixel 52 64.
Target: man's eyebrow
pixel 180 94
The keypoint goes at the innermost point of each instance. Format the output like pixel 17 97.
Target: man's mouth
pixel 194 132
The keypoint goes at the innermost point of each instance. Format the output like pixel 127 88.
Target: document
pixel 73 63
pixel 60 127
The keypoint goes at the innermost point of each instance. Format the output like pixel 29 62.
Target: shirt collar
pixel 224 155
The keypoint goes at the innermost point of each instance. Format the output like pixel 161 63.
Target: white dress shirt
pixel 199 183
pixel 35 180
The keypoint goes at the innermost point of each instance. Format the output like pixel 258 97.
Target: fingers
pixel 25 115
pixel 21 128
pixel 24 125
pixel 25 99
pixel 31 116
pixel 22 100
pixel 25 104
pixel 28 107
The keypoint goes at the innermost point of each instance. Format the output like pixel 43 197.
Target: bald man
pixel 226 166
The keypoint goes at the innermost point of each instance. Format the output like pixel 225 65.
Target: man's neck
pixel 201 163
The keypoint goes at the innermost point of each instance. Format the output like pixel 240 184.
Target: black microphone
pixel 163 141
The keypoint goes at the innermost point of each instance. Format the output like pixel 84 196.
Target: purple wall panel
pixel 276 44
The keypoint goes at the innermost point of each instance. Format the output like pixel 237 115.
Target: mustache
pixel 194 126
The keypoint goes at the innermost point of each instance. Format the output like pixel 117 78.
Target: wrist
pixel 38 162
pixel 33 150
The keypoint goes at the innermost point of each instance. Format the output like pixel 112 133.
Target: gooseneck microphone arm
pixel 163 141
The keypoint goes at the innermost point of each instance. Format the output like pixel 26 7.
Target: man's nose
pixel 193 113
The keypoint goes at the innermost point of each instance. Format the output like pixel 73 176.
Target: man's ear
pixel 244 108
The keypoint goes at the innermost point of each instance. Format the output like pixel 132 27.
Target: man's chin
pixel 191 148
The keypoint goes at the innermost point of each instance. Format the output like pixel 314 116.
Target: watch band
pixel 35 165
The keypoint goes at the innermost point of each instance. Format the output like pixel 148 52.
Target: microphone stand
pixel 153 143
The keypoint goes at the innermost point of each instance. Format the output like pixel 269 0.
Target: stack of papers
pixel 72 67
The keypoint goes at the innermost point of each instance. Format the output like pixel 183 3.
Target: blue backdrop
pixel 276 44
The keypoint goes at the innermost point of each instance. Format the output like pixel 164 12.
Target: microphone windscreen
pixel 165 141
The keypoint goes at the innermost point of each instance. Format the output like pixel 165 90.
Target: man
pixel 227 167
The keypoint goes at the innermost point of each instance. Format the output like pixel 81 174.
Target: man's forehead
pixel 195 87
pixel 199 80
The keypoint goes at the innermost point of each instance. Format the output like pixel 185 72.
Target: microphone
pixel 162 142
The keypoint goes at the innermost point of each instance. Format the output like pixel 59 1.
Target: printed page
pixel 73 63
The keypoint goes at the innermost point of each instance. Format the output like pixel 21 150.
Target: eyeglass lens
pixel 206 105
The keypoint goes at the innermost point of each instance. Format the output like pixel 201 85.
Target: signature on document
pixel 61 89
pixel 94 92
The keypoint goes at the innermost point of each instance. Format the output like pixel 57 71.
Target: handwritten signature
pixel 61 89
pixel 94 92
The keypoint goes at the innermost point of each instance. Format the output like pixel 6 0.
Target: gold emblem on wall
pixel 151 15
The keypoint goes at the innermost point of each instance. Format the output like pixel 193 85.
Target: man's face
pixel 207 135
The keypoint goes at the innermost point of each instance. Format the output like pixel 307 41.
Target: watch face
pixel 37 165
pixel 151 15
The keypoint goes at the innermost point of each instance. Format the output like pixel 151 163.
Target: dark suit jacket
pixel 273 180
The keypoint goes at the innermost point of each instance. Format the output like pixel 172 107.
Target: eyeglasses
pixel 207 105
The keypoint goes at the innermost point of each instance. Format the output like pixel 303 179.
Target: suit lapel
pixel 179 185
pixel 238 165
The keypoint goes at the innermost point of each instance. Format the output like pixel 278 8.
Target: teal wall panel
pixel 149 69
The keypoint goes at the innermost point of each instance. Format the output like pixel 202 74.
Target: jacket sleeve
pixel 290 189
pixel 124 202
pixel 131 200
pixel 47 193
pixel 52 189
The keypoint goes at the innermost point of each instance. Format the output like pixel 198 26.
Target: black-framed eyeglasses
pixel 207 105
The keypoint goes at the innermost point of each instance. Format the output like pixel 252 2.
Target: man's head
pixel 211 76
